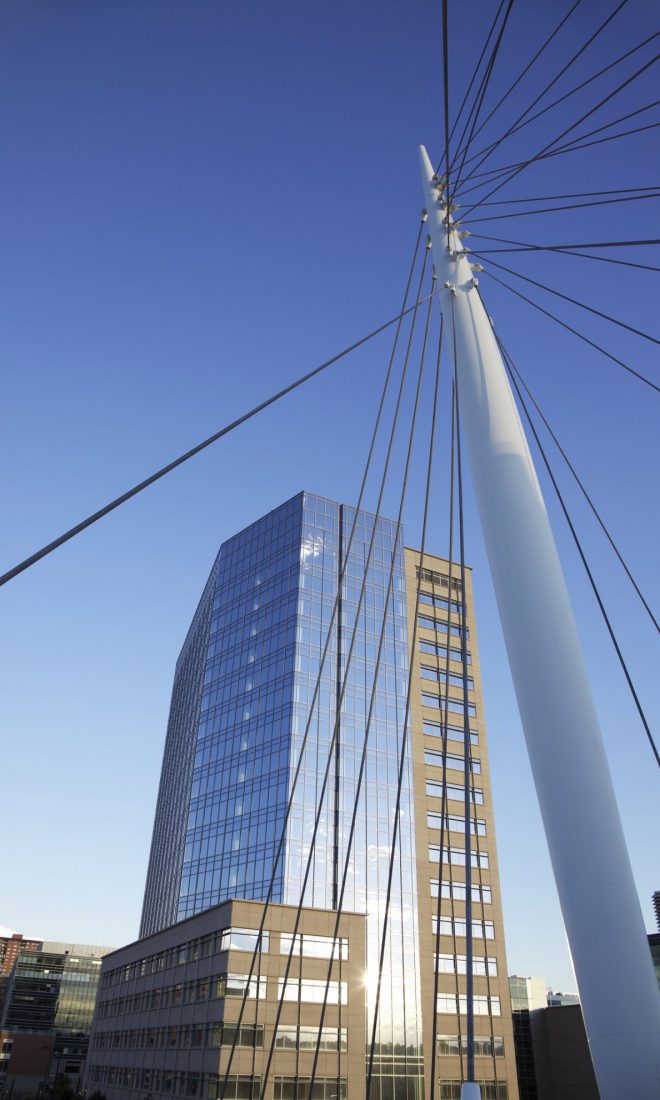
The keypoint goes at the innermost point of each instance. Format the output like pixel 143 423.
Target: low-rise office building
pixel 168 1011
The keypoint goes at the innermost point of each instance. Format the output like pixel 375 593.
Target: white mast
pixel 601 911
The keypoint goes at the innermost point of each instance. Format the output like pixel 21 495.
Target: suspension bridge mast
pixel 601 911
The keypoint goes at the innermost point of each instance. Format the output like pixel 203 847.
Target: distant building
pixel 564 1070
pixel 552 1053
pixel 656 908
pixel 47 1014
pixel 527 995
pixel 11 946
pixel 654 944
pixel 557 1000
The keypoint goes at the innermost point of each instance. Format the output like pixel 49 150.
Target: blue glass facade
pixel 240 707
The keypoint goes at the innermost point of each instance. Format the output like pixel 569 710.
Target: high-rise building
pixel 245 717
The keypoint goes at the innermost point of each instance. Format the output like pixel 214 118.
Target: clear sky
pixel 200 201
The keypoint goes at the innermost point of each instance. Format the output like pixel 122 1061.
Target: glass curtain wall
pixel 325 538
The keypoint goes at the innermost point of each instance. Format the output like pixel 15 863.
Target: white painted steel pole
pixel 601 911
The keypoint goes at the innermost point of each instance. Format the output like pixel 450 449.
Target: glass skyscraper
pixel 271 701
pixel 243 703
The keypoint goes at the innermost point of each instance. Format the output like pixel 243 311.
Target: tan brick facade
pixel 495 1069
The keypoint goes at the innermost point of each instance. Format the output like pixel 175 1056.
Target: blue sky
pixel 200 202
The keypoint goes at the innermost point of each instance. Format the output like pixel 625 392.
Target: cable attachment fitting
pixel 473 283
pixel 450 286
pixel 477 267
pixel 424 216
pixel 428 242
pixel 464 232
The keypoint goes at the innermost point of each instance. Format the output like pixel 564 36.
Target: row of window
pixel 490 1090
pixel 440 650
pixel 484 966
pixel 435 760
pixel 180 993
pixel 185 1036
pixel 456 1003
pixel 440 626
pixel 457 824
pixel 434 790
pixel 455 857
pixel 454 678
pixel 458 891
pixel 454 706
pixel 440 601
pixel 434 577
pixel 485 1046
pixel 206 1085
pixel 457 926
pixel 454 733
pixel 224 985
pixel 239 939
pixel 297 1088
pixel 230 939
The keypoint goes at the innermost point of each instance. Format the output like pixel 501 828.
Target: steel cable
pixel 344 683
pixel 324 654
pixel 583 558
pixel 372 701
pixel 564 324
pixel 96 516
pixel 577 302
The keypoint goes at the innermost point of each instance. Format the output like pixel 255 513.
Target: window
pixel 249 1035
pixel 457 964
pixel 455 706
pixel 434 790
pixel 490 1090
pixel 457 891
pixel 305 1038
pixel 456 856
pixel 457 824
pixel 241 939
pixel 434 760
pixel 484 930
pixel 237 1088
pixel 234 985
pixel 454 1003
pixel 312 991
pixel 314 947
pixel 297 1088
pixel 484 1046
pixel 454 733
